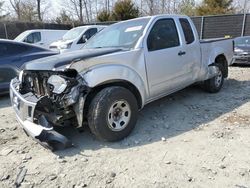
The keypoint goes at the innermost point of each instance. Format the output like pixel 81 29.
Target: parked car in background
pixel 41 37
pixel 241 50
pixel 13 55
pixel 118 71
pixel 75 38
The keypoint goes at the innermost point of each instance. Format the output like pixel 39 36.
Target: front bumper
pixel 25 106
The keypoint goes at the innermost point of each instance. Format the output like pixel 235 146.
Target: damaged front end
pixel 44 100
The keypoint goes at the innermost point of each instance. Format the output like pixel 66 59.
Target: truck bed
pixel 213 40
pixel 210 47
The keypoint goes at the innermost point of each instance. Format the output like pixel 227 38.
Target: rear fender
pixel 214 54
pixel 212 69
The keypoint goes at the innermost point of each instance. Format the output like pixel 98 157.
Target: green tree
pixel 187 7
pixel 213 7
pixel 104 16
pixel 124 10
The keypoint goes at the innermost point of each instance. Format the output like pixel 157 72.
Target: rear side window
pixel 33 38
pixel 163 35
pixel 187 29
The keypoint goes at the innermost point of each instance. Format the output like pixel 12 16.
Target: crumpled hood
pixel 58 62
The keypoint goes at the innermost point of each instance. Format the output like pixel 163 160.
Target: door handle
pixel 181 53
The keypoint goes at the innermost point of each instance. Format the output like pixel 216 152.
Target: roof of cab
pixel 157 16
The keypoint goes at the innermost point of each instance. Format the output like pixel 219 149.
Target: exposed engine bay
pixel 57 94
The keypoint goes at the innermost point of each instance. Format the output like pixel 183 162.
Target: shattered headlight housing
pixel 59 84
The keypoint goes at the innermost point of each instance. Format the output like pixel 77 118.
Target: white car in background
pixel 40 37
pixel 75 38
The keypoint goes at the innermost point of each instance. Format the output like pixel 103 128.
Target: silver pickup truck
pixel 121 69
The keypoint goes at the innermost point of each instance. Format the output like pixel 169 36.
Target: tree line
pixel 87 11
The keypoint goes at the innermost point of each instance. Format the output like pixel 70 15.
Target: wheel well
pixel 221 59
pixel 98 88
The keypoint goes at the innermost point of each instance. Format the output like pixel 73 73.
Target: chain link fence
pixel 223 25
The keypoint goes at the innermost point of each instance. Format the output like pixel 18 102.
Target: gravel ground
pixel 188 139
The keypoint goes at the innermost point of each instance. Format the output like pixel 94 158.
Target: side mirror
pixel 84 38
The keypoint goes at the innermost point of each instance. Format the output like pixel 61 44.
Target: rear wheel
pixel 214 85
pixel 113 113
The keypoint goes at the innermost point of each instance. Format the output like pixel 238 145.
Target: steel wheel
pixel 113 113
pixel 218 79
pixel 119 115
pixel 214 85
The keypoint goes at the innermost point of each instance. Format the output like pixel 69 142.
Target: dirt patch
pixel 236 119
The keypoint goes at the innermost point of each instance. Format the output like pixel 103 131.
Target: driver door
pixel 165 57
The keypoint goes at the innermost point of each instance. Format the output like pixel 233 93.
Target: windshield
pixel 244 41
pixel 21 37
pixel 73 33
pixel 123 34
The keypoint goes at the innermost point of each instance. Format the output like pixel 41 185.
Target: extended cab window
pixel 187 29
pixel 33 38
pixel 163 35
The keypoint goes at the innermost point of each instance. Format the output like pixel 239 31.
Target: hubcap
pixel 218 79
pixel 119 115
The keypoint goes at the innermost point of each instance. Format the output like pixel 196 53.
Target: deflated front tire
pixel 113 113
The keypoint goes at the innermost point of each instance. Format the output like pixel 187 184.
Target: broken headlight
pixel 59 84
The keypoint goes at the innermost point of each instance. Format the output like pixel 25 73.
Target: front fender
pixel 102 74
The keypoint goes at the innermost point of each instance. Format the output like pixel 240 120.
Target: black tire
pixel 99 113
pixel 212 85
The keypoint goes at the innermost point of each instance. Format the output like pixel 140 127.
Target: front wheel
pixel 113 113
pixel 214 85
